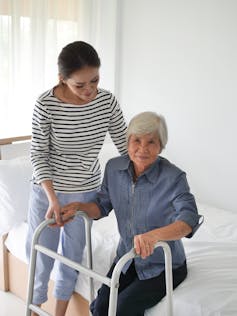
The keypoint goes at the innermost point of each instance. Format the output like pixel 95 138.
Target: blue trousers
pixel 134 295
pixel 70 240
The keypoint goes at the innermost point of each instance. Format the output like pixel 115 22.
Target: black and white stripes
pixel 67 138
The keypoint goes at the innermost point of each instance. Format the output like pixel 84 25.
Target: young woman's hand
pixel 54 211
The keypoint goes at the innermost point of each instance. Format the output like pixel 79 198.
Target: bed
pixel 209 290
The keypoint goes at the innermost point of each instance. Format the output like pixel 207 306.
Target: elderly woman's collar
pixel 151 173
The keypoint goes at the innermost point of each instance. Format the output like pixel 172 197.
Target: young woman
pixel 69 125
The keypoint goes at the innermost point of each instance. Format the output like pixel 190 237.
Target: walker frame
pixel 112 282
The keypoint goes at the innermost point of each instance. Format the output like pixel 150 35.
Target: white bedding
pixel 211 286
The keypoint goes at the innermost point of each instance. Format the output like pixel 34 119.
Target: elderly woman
pixel 152 202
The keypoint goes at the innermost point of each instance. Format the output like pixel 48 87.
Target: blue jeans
pixel 70 239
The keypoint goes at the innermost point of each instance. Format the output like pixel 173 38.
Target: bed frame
pixel 14 273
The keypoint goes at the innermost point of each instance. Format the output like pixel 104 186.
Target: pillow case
pixel 15 175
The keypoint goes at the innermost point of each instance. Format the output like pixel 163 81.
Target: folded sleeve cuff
pixel 193 220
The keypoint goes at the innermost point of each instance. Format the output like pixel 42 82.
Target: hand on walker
pixel 61 215
pixel 68 211
pixel 144 245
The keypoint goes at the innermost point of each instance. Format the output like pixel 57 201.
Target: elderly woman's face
pixel 143 151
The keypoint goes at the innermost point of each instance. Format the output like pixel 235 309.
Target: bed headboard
pixel 14 147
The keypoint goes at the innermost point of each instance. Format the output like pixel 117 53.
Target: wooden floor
pixel 11 305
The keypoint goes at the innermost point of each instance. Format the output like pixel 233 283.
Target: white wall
pixel 178 57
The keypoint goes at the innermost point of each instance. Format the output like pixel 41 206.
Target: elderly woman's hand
pixel 62 215
pixel 68 211
pixel 144 244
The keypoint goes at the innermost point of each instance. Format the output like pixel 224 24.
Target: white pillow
pixel 15 175
pixel 219 225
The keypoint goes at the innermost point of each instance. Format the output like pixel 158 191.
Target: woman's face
pixel 143 151
pixel 83 83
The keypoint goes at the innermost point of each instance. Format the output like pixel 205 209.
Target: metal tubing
pixel 113 283
pixel 117 271
pixel 33 257
pixel 72 264
pixel 38 310
pixel 89 253
pixel 33 264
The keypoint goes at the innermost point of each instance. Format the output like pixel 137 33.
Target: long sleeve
pixel 40 143
pixel 118 127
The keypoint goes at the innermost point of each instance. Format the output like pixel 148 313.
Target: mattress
pixel 211 286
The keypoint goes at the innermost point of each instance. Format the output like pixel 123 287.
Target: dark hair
pixel 75 56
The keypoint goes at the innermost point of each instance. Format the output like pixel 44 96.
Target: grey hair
pixel 149 122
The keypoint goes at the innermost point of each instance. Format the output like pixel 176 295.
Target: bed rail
pixel 14 146
pixel 112 282
pixel 10 140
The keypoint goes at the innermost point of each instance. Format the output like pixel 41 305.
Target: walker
pixel 112 282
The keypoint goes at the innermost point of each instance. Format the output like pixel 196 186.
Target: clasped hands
pixel 62 215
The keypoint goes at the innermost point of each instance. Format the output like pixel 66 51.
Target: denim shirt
pixel 159 197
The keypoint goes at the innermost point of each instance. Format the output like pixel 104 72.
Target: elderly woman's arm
pixel 144 243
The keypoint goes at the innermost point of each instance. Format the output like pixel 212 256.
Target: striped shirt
pixel 67 138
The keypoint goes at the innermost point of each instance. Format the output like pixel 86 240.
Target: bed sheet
pixel 209 290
